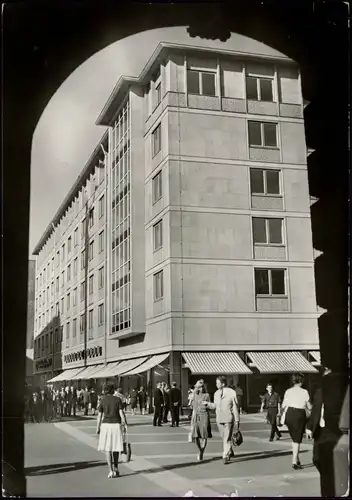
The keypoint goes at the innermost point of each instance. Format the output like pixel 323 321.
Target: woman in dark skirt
pixel 296 407
pixel 201 428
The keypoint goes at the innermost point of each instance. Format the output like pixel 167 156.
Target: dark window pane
pixel 270 134
pixel 272 182
pixel 251 87
pixel 275 230
pixel 278 282
pixel 266 90
pixel 257 181
pixel 261 282
pixel 259 230
pixel 208 83
pixel 193 82
pixel 254 134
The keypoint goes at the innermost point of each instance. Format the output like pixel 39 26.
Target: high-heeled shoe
pixel 111 474
pixel 297 466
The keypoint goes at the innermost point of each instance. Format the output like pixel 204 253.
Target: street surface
pixel 62 461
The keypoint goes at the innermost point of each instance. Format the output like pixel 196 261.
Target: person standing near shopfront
pixel 239 394
pixel 142 399
pixel 272 403
pixel 175 400
pixel 158 406
pixel 73 397
pixel 227 415
pixel 86 399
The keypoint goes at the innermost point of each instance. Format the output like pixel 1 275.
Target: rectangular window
pixel 83 291
pixel 83 228
pixel 158 285
pixel 91 251
pixel 90 319
pixel 158 95
pixel 157 187
pixel 91 284
pixel 201 82
pixel 101 206
pixel 74 328
pixel 101 241
pixel 69 244
pixel 69 272
pixel 101 314
pixel 67 334
pixel 57 309
pixel 82 323
pixel 52 266
pixel 57 284
pixel 158 235
pixel 83 259
pixel 270 282
pixel 57 258
pixel 46 341
pixel 62 279
pixel 74 297
pixel 68 301
pixel 75 237
pixel 63 252
pixel 91 217
pixel 262 134
pixel 267 231
pixel 75 267
pixel 259 88
pixel 101 277
pixel 62 305
pixel 266 182
pixel 156 140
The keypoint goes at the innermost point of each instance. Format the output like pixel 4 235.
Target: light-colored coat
pixel 226 406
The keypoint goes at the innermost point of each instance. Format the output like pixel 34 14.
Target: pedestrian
pixel 158 406
pixel 86 397
pixel 118 392
pixel 109 429
pixel 133 401
pixel 35 407
pixel 175 400
pixel 62 402
pixel 272 402
pixel 239 394
pixel 43 406
pixel 200 419
pixel 296 407
pixel 67 397
pixel 142 399
pixel 49 403
pixel 167 404
pixel 73 400
pixel 93 400
pixel 227 415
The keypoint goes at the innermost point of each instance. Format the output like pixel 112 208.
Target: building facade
pixel 30 321
pixel 209 262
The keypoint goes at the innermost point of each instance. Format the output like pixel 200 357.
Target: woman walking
pixel 133 399
pixel 110 418
pixel 93 401
pixel 296 406
pixel 142 398
pixel 201 428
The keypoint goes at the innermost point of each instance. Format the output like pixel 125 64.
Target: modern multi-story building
pixel 209 264
pixel 30 321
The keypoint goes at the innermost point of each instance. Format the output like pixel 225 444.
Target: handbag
pixel 127 449
pixel 237 438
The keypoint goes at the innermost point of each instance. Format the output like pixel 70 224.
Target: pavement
pixel 62 460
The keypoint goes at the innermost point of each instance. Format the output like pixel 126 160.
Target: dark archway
pixel 45 42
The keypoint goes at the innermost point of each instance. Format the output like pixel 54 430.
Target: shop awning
pixel 281 362
pixel 88 372
pixel 66 375
pixel 215 363
pixel 128 365
pixel 316 356
pixel 148 365
pixel 108 370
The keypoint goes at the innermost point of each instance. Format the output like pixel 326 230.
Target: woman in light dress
pixel 201 429
pixel 111 417
pixel 296 409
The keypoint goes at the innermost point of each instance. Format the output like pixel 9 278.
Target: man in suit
pixel 158 406
pixel 86 399
pixel 175 398
pixel 227 415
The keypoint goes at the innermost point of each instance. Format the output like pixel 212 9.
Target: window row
pixel 268 282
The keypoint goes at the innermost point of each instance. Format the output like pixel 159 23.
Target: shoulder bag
pixel 127 449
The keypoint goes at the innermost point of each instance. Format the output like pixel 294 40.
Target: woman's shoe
pixel 116 473
pixel 297 466
pixel 198 457
pixel 111 474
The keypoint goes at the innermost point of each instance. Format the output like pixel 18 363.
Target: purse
pixel 237 438
pixel 127 449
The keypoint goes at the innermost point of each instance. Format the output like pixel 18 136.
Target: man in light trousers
pixel 227 415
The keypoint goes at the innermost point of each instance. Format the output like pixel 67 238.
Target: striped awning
pixel 108 370
pixel 88 372
pixel 215 363
pixel 128 365
pixel 316 356
pixel 66 375
pixel 281 362
pixel 148 365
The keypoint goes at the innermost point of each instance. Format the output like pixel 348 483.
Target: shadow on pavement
pixel 45 470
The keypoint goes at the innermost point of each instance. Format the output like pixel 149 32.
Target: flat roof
pixel 124 83
pixel 80 181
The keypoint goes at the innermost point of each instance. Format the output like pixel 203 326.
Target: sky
pixel 66 133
